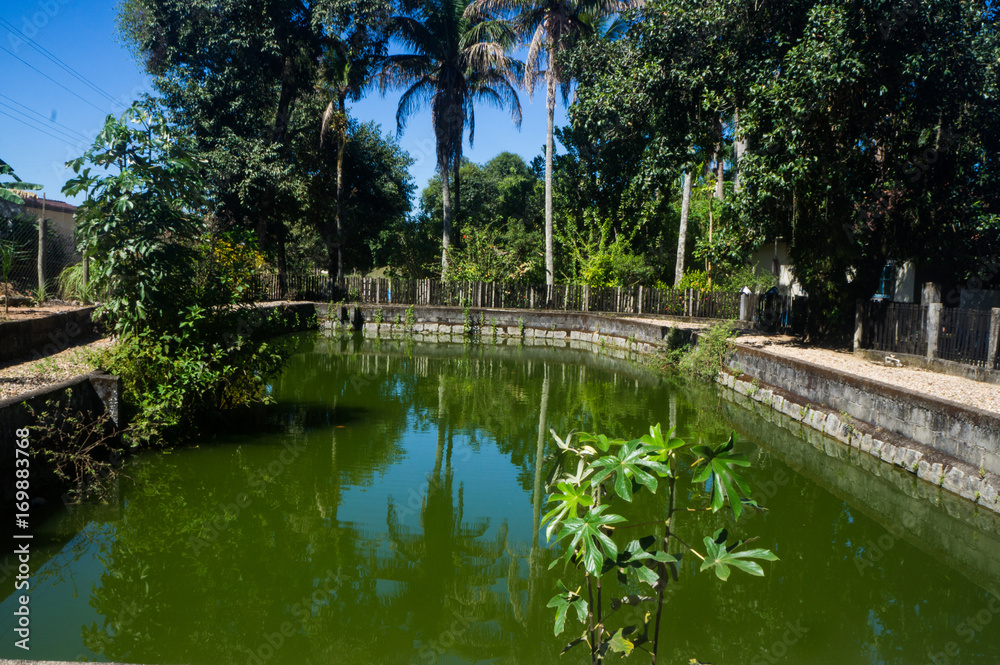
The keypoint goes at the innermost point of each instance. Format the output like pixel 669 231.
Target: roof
pixel 31 200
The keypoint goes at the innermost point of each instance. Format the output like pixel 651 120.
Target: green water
pixel 384 510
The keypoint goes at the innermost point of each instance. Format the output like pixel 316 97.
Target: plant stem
pixel 600 620
pixel 590 619
pixel 671 486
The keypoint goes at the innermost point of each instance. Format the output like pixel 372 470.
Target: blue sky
pixel 48 115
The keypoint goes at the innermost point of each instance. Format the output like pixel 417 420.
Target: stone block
pixel 909 460
pixel 832 425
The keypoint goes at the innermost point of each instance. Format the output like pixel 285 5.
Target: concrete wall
pixel 947 527
pixel 32 339
pixel 633 335
pixel 91 397
pixel 950 445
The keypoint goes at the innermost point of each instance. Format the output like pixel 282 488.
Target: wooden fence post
pixel 933 329
pixel 994 338
pixel 41 249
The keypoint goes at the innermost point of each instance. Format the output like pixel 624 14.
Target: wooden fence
pixel 965 336
pixel 773 312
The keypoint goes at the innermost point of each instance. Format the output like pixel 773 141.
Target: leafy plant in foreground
pixel 590 476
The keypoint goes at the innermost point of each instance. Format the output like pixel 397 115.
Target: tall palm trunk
pixel 739 147
pixel 550 105
pixel 446 236
pixel 682 232
pixel 341 144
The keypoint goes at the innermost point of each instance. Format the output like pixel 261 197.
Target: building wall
pixel 763 260
pixel 61 221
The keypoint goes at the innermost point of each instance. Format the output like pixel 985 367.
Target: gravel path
pixel 17 378
pixel 980 394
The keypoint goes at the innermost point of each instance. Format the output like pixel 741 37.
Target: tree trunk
pixel 739 147
pixel 720 166
pixel 341 143
pixel 270 223
pixel 446 236
pixel 550 104
pixel 458 184
pixel 682 232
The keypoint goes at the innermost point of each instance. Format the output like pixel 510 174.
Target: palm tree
pixel 348 66
pixel 549 26
pixel 457 58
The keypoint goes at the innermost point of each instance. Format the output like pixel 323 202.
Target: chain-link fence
pixel 22 275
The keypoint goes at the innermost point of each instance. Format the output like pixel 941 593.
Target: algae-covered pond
pixel 385 510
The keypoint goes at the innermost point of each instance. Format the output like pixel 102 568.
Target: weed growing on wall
pixel 707 358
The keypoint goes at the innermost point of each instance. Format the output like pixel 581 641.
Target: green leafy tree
pixel 348 68
pixel 188 343
pixel 6 195
pixel 498 228
pixel 376 190
pixel 855 129
pixel 232 75
pixel 550 26
pixel 456 59
pixel 593 474
pixel 140 220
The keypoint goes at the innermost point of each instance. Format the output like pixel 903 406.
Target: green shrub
pixel 706 359
pixel 174 383
pixel 694 279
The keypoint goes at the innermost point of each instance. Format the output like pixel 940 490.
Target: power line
pixel 70 130
pixel 39 129
pixel 41 49
pixel 54 129
pixel 53 80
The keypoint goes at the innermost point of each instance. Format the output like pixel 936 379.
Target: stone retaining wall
pixel 869 416
pixel 37 338
pixel 429 322
pixel 948 445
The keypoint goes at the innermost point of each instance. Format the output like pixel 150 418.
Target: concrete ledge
pixel 36 338
pixel 639 336
pixel 93 395
pixel 968 434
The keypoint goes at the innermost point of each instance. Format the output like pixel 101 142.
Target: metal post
pixel 86 278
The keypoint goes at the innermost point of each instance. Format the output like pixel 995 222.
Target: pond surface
pixel 385 510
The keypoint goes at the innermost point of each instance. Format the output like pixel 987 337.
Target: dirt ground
pixel 23 312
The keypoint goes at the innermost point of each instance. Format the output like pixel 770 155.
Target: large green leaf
pixel 588 539
pixel 568 501
pixel 631 463
pixel 563 602
pixel 719 466
pixel 659 445
pixel 621 644
pixel 719 557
